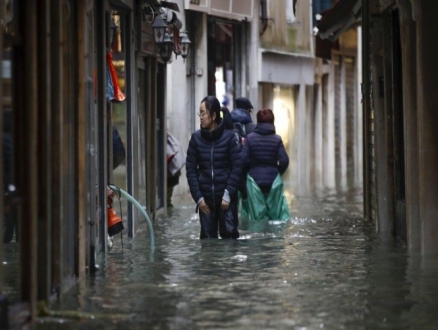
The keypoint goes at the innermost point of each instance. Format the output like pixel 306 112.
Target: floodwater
pixel 325 268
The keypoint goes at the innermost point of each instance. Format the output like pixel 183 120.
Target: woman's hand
pixel 204 207
pixel 225 205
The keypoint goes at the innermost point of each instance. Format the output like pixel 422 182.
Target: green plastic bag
pixel 259 207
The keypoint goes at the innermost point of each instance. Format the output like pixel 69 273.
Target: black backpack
pixel 240 132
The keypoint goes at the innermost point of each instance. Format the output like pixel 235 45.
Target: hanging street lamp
pixel 166 47
pixel 168 37
pixel 185 44
pixel 159 27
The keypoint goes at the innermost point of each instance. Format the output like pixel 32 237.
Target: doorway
pixel 226 47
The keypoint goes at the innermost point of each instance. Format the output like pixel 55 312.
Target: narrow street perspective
pixel 218 164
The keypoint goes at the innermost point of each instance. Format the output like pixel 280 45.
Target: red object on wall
pixel 118 94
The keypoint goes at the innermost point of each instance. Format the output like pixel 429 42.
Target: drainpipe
pixel 263 16
pixel 365 109
pixel 312 39
pixel 192 75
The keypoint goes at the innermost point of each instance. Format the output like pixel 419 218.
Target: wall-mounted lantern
pixel 185 44
pixel 166 47
pixel 159 27
pixel 163 25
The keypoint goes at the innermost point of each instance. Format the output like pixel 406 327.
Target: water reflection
pixel 323 268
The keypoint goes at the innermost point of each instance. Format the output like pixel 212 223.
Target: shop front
pixel 77 77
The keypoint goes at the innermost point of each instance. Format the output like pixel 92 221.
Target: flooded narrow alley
pixel 324 268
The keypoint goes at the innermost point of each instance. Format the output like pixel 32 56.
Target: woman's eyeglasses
pixel 202 114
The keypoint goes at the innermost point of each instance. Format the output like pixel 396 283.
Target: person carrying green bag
pixel 264 160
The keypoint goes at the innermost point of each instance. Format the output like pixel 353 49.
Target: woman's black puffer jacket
pixel 264 156
pixel 213 164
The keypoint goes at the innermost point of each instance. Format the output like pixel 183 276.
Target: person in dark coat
pixel 213 170
pixel 263 155
pixel 242 115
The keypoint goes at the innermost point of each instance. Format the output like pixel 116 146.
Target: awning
pixel 240 10
pixel 286 69
pixel 339 19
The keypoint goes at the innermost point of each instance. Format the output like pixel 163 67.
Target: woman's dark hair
pixel 227 120
pixel 265 116
pixel 213 106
